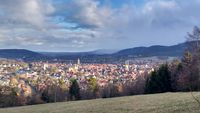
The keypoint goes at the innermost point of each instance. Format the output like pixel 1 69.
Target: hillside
pixel 21 54
pixel 156 103
pixel 156 50
pixel 105 56
pixel 98 56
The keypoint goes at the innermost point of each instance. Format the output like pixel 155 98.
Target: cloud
pixel 156 22
pixel 86 13
pixel 32 12
pixel 82 25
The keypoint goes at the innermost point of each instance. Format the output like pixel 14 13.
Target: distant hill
pixel 156 50
pixel 95 52
pixel 21 54
pixel 58 54
pixel 96 56
pixel 106 56
pixel 104 51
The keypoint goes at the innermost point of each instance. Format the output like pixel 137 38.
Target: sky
pixel 85 25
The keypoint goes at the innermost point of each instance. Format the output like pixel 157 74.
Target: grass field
pixel 156 103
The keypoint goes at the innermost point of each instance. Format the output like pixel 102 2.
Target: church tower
pixel 78 62
pixel 127 65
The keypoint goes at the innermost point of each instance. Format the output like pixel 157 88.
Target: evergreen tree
pixel 159 81
pixel 74 90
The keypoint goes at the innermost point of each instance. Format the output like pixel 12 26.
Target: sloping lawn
pixel 155 103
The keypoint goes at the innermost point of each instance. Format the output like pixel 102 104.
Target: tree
pixel 193 40
pixel 8 97
pixel 175 69
pixel 159 81
pixel 151 84
pixel 93 86
pixel 189 78
pixel 74 90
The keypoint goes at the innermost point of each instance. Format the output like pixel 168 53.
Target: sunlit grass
pixel 155 103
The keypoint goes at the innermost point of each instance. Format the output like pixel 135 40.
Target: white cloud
pixel 78 25
pixel 33 12
pixel 86 13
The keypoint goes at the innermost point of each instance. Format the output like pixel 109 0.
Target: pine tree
pixel 74 90
pixel 159 81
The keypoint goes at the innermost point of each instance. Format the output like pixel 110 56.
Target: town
pixel 29 78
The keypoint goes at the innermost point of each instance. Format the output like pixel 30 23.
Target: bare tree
pixel 191 62
pixel 194 67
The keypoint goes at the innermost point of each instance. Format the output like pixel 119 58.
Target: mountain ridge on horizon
pixel 154 50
